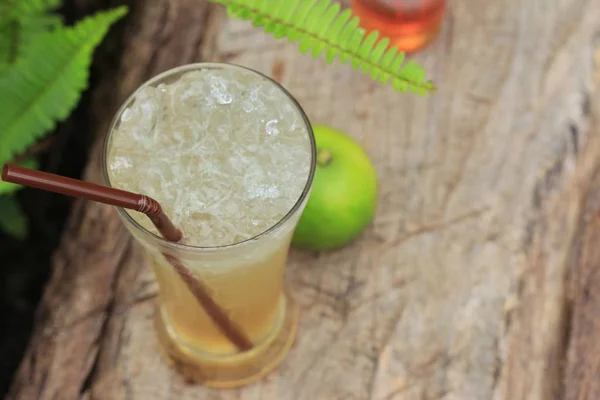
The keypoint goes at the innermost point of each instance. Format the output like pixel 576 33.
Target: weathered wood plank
pixel 459 288
pixel 539 316
pixel 582 370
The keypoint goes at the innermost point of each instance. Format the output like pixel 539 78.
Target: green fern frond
pixel 5 45
pixel 12 219
pixel 20 8
pixel 29 28
pixel 45 84
pixel 21 21
pixel 319 26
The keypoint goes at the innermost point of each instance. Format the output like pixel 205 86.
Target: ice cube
pixel 213 153
pixel 271 127
pixel 126 116
pixel 247 106
pixel 121 162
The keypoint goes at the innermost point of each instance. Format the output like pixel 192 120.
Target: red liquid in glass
pixel 410 24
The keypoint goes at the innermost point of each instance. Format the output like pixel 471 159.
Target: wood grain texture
pixel 458 290
pixel 582 367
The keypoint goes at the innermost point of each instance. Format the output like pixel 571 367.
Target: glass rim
pixel 214 65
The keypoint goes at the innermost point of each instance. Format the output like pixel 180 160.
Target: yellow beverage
pixel 230 156
pixel 252 295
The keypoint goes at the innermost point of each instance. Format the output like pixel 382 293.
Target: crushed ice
pixel 224 151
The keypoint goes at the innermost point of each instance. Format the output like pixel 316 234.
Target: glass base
pixel 234 370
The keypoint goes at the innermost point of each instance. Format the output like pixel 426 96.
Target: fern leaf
pixel 307 42
pixel 304 8
pixel 326 21
pixel 7 187
pixel 30 27
pixel 354 44
pixel 12 219
pixel 367 48
pixel 285 14
pixel 20 8
pixel 351 29
pixel 20 23
pixel 5 44
pixel 45 85
pixel 300 14
pixel 378 55
pixel 336 28
pixel 317 26
pixel 380 48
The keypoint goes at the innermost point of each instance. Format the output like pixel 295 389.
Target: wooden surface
pixel 478 278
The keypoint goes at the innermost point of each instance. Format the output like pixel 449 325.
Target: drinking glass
pixel 245 279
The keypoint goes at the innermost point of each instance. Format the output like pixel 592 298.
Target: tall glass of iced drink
pixel 230 155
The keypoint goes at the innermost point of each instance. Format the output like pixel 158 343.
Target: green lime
pixel 344 193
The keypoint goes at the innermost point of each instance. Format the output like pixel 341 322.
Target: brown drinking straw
pixel 146 205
